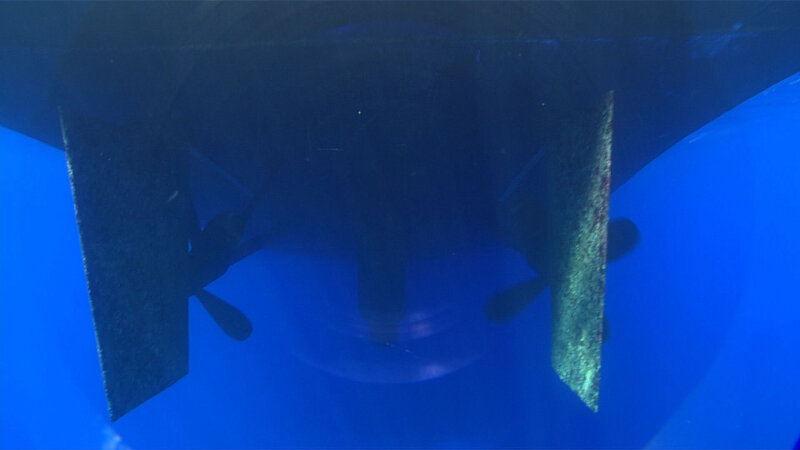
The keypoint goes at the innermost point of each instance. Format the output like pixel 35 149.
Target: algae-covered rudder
pixel 128 184
pixel 578 183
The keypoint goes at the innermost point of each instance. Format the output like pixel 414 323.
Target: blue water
pixel 703 349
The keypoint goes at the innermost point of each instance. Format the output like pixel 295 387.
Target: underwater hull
pixel 463 94
pixel 463 89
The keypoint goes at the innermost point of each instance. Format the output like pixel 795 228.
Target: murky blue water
pixel 703 315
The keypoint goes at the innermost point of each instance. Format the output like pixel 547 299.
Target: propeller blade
pixel 232 321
